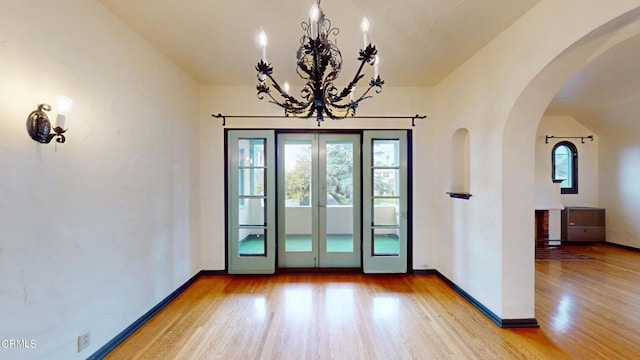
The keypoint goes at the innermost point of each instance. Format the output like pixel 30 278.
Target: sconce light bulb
pixel 63 104
pixel 364 25
pixel 314 13
pixel 286 87
pixel 262 39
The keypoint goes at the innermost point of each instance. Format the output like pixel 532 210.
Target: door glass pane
pixel 386 182
pixel 251 242
pixel 258 182
pixel 298 173
pixel 251 181
pixel 386 153
pixel 339 182
pixel 251 152
pixel 386 211
pixel 339 204
pixel 386 242
pixel 298 243
pixel 298 211
pixel 251 212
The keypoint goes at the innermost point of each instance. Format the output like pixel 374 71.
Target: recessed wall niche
pixel 460 165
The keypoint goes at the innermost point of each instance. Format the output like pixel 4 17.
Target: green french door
pixel 385 206
pixel 251 227
pixel 332 210
pixel 319 201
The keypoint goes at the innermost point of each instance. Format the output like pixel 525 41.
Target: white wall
pixel 587 157
pixel 619 190
pixel 98 230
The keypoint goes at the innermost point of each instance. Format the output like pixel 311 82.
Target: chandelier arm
pixel 288 98
pixel 292 106
pixel 347 111
pixel 364 95
pixel 299 112
pixel 289 108
pixel 356 78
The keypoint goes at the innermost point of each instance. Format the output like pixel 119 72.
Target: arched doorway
pixel 519 135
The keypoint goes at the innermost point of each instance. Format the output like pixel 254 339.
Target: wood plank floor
pixel 587 309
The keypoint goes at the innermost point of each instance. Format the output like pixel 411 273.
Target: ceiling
pixel 604 95
pixel 419 41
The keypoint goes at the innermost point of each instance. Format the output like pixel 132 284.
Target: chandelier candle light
pixel 319 62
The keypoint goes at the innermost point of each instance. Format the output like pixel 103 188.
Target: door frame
pixel 409 133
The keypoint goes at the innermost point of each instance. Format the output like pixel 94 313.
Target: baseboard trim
pixel 503 323
pixel 519 323
pixel 424 272
pixel 212 273
pixel 626 247
pixel 122 336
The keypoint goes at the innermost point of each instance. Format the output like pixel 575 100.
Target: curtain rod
pixel 224 117
pixel 547 137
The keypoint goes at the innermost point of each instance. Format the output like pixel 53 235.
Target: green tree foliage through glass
pixel 299 178
pixel 340 172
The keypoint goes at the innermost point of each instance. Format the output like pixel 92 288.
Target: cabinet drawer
pixel 586 233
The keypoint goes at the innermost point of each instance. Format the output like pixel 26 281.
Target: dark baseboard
pixel 424 272
pixel 503 323
pixel 626 247
pixel 519 323
pixel 212 273
pixel 118 339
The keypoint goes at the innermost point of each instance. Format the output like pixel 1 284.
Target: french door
pixel 251 226
pixel 319 200
pixel 385 193
pixel 332 210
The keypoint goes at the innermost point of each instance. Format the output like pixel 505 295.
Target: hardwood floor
pixel 587 309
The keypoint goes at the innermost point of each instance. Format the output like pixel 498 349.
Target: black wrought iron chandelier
pixel 319 62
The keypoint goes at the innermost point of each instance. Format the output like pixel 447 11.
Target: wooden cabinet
pixel 583 224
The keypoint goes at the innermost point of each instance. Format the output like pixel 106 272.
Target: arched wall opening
pixel 518 146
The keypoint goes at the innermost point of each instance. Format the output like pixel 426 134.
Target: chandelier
pixel 319 62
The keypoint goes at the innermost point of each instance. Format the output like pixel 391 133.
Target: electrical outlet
pixel 83 341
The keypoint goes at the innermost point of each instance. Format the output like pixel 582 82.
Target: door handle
pixel 320 206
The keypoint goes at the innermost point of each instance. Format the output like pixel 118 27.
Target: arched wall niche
pixel 460 162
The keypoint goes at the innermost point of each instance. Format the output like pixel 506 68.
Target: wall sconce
pixel 39 126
